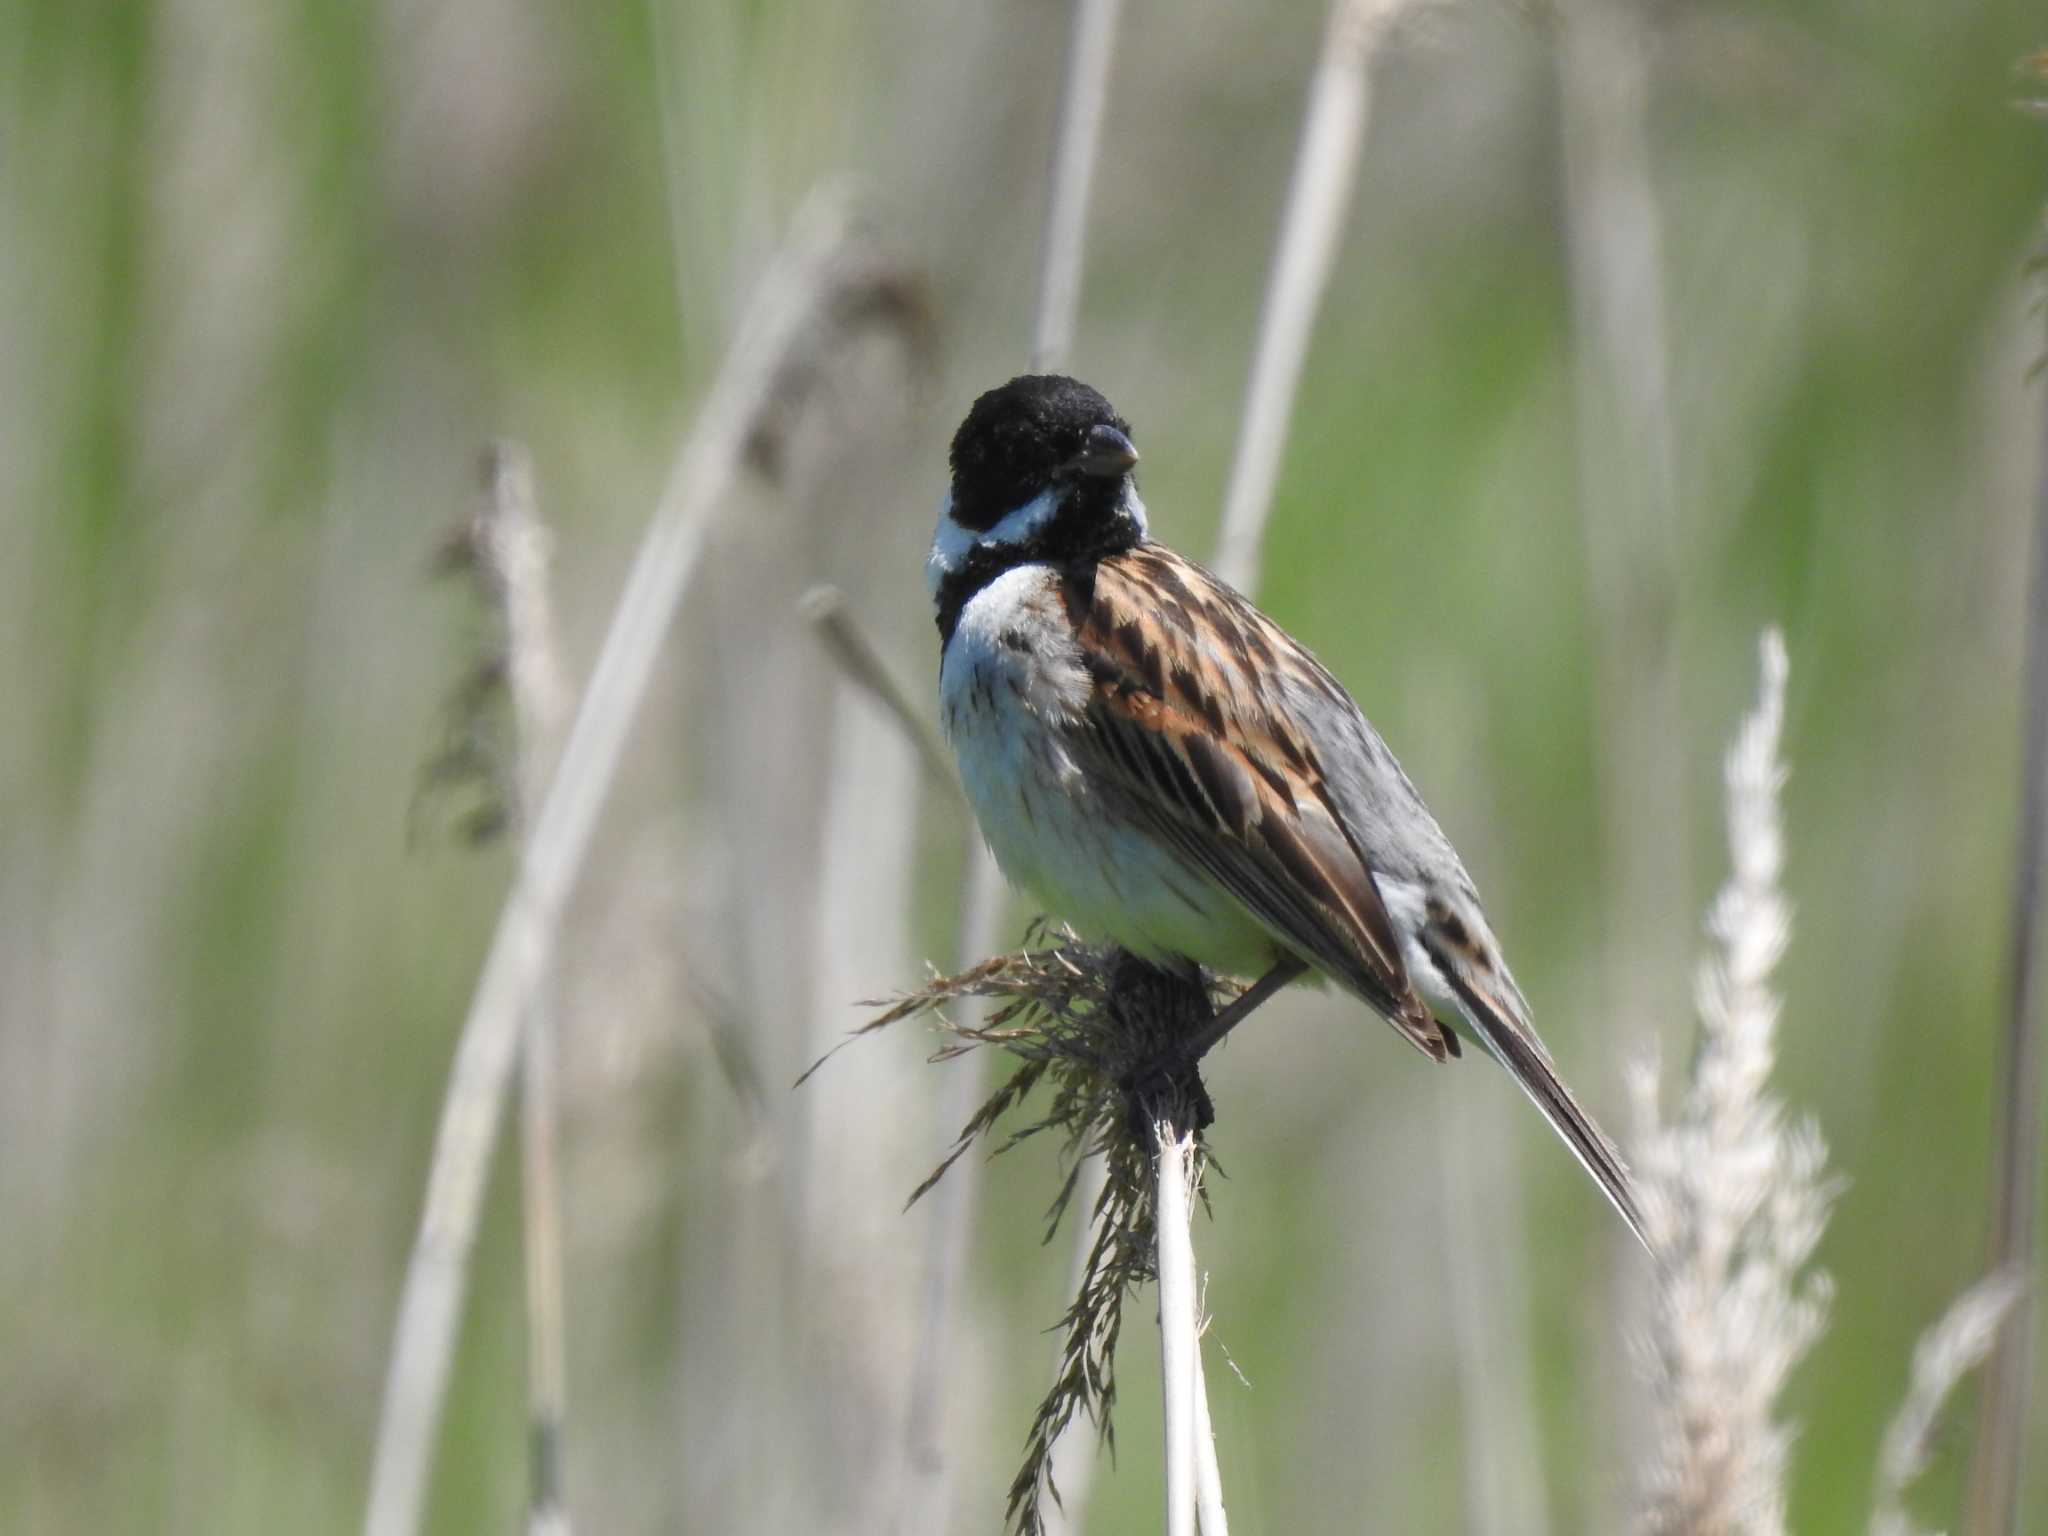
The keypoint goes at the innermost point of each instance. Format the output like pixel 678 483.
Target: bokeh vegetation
pixel 271 273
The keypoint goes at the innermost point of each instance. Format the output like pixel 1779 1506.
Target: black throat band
pixel 1080 533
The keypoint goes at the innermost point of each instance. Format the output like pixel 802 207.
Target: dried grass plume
pixel 1735 1195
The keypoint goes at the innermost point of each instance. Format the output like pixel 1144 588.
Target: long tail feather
pixel 1515 1047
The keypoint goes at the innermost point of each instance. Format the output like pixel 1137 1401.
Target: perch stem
pixel 1179 1339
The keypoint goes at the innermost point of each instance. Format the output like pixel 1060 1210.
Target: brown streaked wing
pixel 1182 717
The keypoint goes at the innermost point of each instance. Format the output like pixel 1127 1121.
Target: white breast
pixel 1012 691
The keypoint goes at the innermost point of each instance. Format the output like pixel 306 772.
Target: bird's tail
pixel 1497 1017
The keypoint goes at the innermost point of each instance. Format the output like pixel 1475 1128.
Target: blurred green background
pixel 271 271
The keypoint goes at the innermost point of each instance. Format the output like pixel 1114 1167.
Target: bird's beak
pixel 1108 454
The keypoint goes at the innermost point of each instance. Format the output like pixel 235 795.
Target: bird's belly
pixel 1006 710
pixel 1104 877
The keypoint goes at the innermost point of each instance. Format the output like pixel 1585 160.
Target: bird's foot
pixel 1167 1084
pixel 1167 1087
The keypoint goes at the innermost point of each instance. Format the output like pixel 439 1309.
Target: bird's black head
pixel 1039 433
pixel 1041 473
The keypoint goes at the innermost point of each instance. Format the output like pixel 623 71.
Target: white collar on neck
pixel 952 544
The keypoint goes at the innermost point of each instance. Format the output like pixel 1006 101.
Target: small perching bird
pixel 1167 769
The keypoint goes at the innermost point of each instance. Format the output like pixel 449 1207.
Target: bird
pixel 1168 770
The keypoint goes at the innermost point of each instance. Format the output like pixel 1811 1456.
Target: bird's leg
pixel 1211 1034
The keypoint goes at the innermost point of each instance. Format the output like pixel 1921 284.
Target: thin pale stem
pixel 1208 1469
pixel 1083 98
pixel 832 620
pixel 1075 1455
pixel 547 1367
pixel 954 1202
pixel 1627 477
pixel 1325 170
pixel 514 549
pixel 787 308
pixel 927 1490
pixel 1179 1338
pixel 1505 1494
pixel 1627 494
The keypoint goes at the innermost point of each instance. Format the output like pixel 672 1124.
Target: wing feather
pixel 1182 715
pixel 1194 713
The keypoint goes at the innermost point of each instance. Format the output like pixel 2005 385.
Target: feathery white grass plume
pixel 1946 1353
pixel 1734 1197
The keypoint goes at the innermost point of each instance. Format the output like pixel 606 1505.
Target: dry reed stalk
pixel 816 282
pixel 1628 520
pixel 857 1283
pixel 1734 1197
pixel 1084 97
pixel 2016 1161
pixel 504 549
pixel 983 895
pixel 813 1303
pixel 1075 1456
pixel 1483 1206
pixel 1628 493
pixel 540 1194
pixel 924 1478
pixel 1483 1216
pixel 1311 228
pixel 513 549
pixel 826 609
